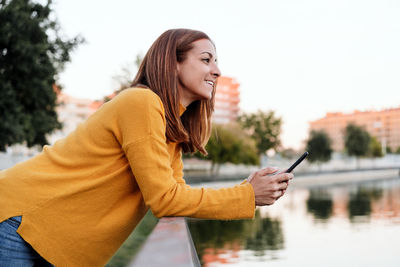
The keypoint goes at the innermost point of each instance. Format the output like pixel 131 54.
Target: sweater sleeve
pixel 145 146
pixel 177 167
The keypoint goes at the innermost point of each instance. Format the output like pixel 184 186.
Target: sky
pixel 298 58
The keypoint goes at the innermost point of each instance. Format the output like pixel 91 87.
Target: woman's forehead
pixel 203 46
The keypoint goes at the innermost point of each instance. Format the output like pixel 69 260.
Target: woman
pixel 77 201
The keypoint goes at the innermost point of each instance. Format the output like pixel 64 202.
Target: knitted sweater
pixel 82 197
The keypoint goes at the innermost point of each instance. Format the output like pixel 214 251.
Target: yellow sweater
pixel 82 197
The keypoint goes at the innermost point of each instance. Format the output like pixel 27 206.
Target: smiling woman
pixel 80 199
pixel 198 72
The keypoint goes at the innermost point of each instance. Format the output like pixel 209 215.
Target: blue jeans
pixel 14 251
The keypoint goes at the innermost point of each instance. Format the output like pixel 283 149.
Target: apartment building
pixel 71 112
pixel 383 124
pixel 226 100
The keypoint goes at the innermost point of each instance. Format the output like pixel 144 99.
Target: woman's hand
pixel 269 188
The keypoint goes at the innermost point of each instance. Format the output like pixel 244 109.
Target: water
pixel 347 225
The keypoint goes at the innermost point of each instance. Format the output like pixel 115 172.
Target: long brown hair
pixel 158 72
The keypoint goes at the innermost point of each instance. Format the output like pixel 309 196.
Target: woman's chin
pixel 208 96
pixel 204 96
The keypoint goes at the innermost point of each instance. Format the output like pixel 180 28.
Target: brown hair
pixel 158 72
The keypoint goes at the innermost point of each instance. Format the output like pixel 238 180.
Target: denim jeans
pixel 14 251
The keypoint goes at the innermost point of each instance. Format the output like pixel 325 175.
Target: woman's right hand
pixel 269 188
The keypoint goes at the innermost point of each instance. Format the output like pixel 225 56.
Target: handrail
pixel 170 244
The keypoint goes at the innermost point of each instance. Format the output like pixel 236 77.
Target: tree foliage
pixel 125 77
pixel 32 53
pixel 229 143
pixel 319 147
pixel 264 127
pixel 375 148
pixel 356 140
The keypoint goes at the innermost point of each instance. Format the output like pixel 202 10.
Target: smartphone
pixel 298 161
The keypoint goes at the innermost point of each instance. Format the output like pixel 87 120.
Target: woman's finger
pixel 267 170
pixel 278 194
pixel 283 177
pixel 282 186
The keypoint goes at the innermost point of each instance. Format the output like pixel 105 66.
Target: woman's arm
pixel 141 131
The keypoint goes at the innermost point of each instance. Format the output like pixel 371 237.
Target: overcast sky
pixel 298 58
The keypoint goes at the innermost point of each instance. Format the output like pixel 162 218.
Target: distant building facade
pixel 226 100
pixel 71 112
pixel 384 125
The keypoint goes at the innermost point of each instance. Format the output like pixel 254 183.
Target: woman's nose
pixel 215 71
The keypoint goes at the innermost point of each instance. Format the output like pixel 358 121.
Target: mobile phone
pixel 298 161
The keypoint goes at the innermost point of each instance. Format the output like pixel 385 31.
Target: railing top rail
pixel 170 244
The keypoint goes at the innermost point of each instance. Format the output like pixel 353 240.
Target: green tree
pixel 356 141
pixel 264 127
pixel 32 53
pixel 319 147
pixel 375 148
pixel 229 143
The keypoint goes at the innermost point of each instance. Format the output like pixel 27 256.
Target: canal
pixel 352 224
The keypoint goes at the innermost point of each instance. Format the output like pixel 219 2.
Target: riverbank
pixel 320 179
pixel 337 178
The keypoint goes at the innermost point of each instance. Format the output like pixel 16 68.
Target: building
pixel 226 100
pixel 71 112
pixel 383 124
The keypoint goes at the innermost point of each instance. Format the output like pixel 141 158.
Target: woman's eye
pixel 207 60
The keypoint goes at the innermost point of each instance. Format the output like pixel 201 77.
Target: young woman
pixel 76 202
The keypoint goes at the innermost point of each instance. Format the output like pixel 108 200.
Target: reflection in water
pixel 359 206
pixel 213 237
pixel 348 219
pixel 268 236
pixel 320 203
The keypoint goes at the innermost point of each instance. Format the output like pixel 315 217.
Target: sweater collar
pixel 181 109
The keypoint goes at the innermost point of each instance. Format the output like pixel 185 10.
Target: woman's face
pixel 198 73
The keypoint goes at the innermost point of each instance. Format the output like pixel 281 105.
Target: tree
pixel 319 147
pixel 356 141
pixel 375 148
pixel 125 78
pixel 230 144
pixel 264 127
pixel 32 53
